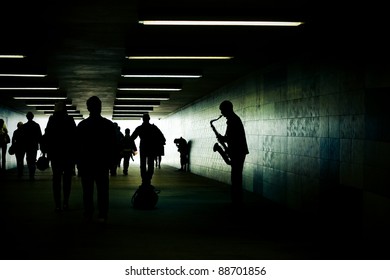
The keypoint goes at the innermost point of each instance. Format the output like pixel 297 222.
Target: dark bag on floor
pixel 145 197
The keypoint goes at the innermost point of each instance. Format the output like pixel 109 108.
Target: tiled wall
pixel 314 132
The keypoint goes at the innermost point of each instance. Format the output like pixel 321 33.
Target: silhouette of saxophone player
pixel 237 149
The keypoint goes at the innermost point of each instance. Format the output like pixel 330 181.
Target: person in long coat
pixel 59 142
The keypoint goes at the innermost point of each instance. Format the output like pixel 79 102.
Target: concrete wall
pixel 317 131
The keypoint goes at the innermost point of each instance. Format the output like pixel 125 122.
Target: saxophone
pixel 221 149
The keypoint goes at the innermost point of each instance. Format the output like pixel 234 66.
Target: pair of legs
pixel 126 161
pixel 183 161
pixel 147 168
pixel 158 161
pixel 62 176
pixel 237 166
pixel 31 158
pixel 20 162
pixel 88 181
pixel 3 156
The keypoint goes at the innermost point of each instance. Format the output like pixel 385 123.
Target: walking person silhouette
pixel 128 150
pixel 59 144
pixel 4 140
pixel 96 142
pixel 33 134
pixel 150 145
pixel 19 146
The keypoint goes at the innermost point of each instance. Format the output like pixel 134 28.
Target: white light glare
pixel 220 23
pixel 11 56
pixel 160 76
pixel 23 75
pixel 29 88
pixel 45 105
pixel 38 97
pixel 179 57
pixel 149 89
pixel 142 98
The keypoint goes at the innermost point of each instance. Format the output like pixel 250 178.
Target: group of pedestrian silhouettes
pixel 24 144
pixel 96 146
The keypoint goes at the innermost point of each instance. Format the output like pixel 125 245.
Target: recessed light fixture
pixel 126 118
pixel 11 56
pixel 47 103
pixel 190 57
pixel 36 104
pixel 220 23
pixel 29 88
pixel 24 75
pixel 141 97
pixel 179 76
pixel 149 89
pixel 136 103
pixel 128 113
pixel 132 109
pixel 70 108
pixel 69 112
pixel 38 97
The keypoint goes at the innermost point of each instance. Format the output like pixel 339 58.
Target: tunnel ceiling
pixel 82 47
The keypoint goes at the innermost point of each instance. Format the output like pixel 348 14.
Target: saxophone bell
pixel 221 149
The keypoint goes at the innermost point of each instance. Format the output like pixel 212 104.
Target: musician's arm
pixel 222 138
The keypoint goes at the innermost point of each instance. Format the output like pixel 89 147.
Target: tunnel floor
pixel 193 220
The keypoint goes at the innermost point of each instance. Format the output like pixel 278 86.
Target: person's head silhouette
pixel 146 118
pixel 226 108
pixel 60 107
pixel 94 105
pixel 29 116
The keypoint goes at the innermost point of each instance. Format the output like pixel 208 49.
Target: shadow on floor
pixel 193 220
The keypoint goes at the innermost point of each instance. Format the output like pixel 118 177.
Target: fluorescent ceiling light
pixel 148 89
pixel 133 109
pixel 36 104
pixel 47 103
pixel 184 76
pixel 73 114
pixel 128 113
pixel 70 108
pixel 220 23
pixel 178 57
pixel 126 118
pixel 24 75
pixel 38 97
pixel 142 98
pixel 11 56
pixel 137 103
pixel 68 111
pixel 29 88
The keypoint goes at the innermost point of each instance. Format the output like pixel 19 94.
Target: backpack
pixel 145 197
